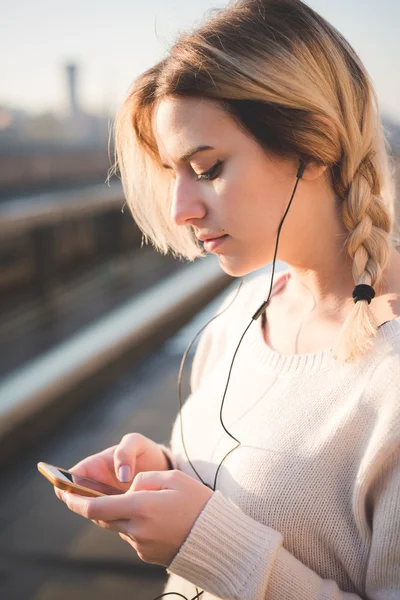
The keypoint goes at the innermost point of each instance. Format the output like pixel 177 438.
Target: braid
pixel 369 223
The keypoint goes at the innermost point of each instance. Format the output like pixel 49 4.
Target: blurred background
pixel 85 353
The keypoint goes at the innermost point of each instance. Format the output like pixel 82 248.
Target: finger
pixel 83 467
pixel 131 541
pixel 123 526
pixel 57 492
pixel 130 447
pixel 107 508
pixel 156 480
pixel 125 537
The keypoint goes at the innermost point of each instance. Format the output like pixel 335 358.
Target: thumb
pixel 125 455
pixel 154 480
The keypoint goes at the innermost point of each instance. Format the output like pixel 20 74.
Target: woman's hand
pixel 118 465
pixel 154 516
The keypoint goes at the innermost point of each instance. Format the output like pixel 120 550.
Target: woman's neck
pixel 326 294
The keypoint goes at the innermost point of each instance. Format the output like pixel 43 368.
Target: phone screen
pixel 89 483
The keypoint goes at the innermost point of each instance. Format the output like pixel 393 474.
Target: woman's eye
pixel 211 173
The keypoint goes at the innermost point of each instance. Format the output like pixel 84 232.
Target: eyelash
pixel 211 173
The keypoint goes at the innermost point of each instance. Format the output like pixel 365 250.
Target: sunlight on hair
pixel 301 90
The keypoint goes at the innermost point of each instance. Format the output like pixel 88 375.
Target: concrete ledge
pixel 18 216
pixel 39 395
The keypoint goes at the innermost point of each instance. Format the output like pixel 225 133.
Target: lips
pixel 213 243
pixel 208 238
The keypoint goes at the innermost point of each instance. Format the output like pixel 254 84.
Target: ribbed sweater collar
pixel 312 362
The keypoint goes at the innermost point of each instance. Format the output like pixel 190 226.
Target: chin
pixel 237 268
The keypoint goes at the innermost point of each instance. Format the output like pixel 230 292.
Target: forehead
pixel 182 122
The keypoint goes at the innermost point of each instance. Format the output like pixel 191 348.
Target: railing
pixel 39 395
pixel 45 239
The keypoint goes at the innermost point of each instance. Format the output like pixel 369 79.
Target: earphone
pixel 260 311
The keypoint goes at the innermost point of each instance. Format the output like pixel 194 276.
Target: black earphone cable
pixel 180 379
pixel 180 595
pixel 260 311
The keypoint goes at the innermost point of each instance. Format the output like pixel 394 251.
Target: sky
pixel 114 41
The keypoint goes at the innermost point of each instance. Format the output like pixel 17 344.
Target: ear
pixel 313 171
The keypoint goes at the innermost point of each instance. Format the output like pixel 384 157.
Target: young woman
pixel 261 128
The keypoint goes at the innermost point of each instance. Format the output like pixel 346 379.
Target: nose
pixel 187 207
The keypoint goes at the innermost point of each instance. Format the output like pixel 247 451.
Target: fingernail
pixel 124 474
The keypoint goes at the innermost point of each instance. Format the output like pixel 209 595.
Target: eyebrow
pixel 190 153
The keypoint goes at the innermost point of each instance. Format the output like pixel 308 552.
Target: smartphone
pixel 77 484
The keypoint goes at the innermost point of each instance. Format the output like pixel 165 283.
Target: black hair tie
pixel 363 291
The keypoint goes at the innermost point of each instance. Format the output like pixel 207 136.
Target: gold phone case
pixel 65 485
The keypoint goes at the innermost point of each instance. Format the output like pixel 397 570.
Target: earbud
pixel 301 170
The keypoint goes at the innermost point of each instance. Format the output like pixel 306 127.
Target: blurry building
pixel 20 130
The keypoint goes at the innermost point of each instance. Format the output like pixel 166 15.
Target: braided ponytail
pixel 369 221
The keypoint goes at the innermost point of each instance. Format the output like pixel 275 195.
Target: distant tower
pixel 71 77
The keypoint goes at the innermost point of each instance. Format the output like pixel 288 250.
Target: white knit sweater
pixel 308 507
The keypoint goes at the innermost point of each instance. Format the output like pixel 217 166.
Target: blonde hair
pixel 294 83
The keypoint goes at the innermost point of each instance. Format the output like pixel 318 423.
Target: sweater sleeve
pixel 232 556
pixel 383 574
pixel 173 463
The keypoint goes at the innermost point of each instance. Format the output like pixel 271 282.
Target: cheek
pixel 237 200
pixel 254 209
pixel 250 202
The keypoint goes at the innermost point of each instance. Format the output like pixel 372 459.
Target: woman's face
pixel 242 192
